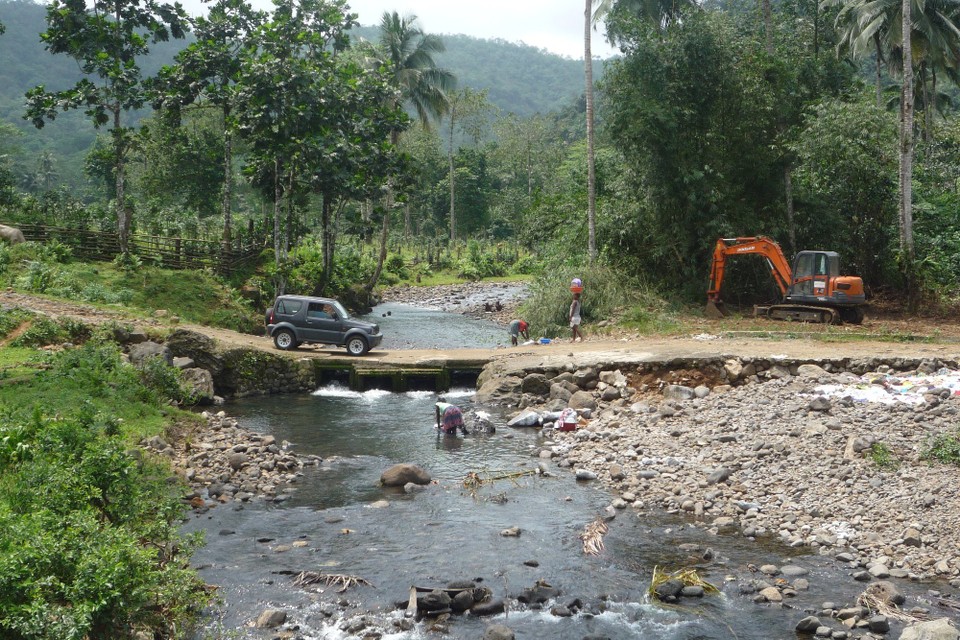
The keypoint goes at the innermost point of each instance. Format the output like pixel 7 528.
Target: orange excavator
pixel 813 291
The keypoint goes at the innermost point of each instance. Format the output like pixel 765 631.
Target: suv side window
pixel 288 307
pixel 319 311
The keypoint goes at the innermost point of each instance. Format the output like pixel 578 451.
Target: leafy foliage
pixel 944 447
pixel 105 558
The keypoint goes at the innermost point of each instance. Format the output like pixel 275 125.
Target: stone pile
pixel 224 462
pixel 762 453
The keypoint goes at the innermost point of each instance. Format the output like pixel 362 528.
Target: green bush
pixel 165 382
pixel 396 265
pixel 37 276
pixel 105 558
pixel 882 456
pixel 527 265
pixel 944 447
pixel 605 293
pixel 479 264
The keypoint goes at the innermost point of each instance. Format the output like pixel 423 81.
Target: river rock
pixel 582 400
pixel 809 625
pixel 498 632
pixel 400 474
pixel 200 383
pixel 198 347
pixel 492 607
pixel 939 629
pixel 535 383
pixel 678 392
pixel 504 391
pixel 668 589
pixel 435 600
pixel 271 619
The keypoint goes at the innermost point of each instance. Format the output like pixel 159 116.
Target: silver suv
pixel 296 320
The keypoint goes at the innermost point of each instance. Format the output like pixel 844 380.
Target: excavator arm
pixel 726 247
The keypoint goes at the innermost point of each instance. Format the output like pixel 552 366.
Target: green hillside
pixel 521 79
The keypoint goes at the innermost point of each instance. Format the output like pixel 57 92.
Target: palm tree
pixel 406 52
pixel 591 164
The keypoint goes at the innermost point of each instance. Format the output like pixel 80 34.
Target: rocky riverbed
pixel 494 301
pixel 223 462
pixel 773 456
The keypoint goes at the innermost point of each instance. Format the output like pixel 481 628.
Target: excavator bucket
pixel 715 310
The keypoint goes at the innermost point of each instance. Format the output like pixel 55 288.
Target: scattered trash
pixel 887 389
pixel 705 336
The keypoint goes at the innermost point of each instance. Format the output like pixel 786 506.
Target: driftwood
pixel 878 605
pixel 305 578
pixel 592 537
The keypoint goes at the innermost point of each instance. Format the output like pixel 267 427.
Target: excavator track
pixel 800 313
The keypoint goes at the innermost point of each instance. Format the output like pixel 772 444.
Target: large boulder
pixel 200 382
pixel 940 629
pixel 141 353
pixel 500 391
pixel 400 474
pixel 536 383
pixel 582 400
pixel 11 234
pixel 198 347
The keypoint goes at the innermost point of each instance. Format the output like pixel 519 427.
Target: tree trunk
pixel 328 237
pixel 768 27
pixel 927 109
pixel 879 77
pixel 124 215
pixel 591 168
pixel 384 230
pixel 791 222
pixel 227 205
pixel 278 255
pixel 406 220
pixel 906 161
pixel 453 217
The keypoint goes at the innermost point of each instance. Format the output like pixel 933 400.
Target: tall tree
pixel 591 158
pixel 206 73
pixel 906 156
pixel 107 38
pixel 407 57
pixel 468 113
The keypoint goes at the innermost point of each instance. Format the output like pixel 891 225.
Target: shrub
pixel 37 276
pixel 165 382
pixel 882 456
pixel 605 293
pixel 396 265
pixel 944 447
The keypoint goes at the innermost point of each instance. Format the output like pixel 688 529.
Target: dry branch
pixel 592 537
pixel 305 578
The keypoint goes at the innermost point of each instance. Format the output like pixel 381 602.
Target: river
pixel 339 521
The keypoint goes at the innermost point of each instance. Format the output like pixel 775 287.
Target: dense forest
pixel 357 155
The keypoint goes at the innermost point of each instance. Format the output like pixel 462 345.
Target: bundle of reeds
pixel 306 578
pixel 592 537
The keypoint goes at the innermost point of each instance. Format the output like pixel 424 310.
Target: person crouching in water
pixel 449 419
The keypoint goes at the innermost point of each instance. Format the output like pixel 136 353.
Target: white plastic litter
pixel 887 389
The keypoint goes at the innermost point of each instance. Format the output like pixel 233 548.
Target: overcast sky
pixel 554 25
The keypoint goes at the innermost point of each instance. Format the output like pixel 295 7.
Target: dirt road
pixel 940 340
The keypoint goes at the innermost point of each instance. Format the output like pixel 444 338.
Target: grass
pixel 18 362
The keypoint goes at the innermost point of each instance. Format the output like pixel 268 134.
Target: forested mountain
pixel 521 79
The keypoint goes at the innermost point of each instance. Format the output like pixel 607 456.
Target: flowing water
pixel 339 521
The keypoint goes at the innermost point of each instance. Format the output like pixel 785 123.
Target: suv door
pixel 322 324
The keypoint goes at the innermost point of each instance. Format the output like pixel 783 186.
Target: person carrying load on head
pixel 518 328
pixel 449 419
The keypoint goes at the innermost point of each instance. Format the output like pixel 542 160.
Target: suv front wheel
pixel 284 340
pixel 357 346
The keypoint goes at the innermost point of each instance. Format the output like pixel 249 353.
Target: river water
pixel 339 521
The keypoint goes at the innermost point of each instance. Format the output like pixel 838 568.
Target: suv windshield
pixel 343 313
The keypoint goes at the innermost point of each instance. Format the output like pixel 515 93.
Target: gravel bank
pixel 777 458
pixel 474 299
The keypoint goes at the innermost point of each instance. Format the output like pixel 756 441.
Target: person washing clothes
pixel 518 328
pixel 449 419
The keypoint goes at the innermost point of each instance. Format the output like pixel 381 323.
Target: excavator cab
pixel 812 274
